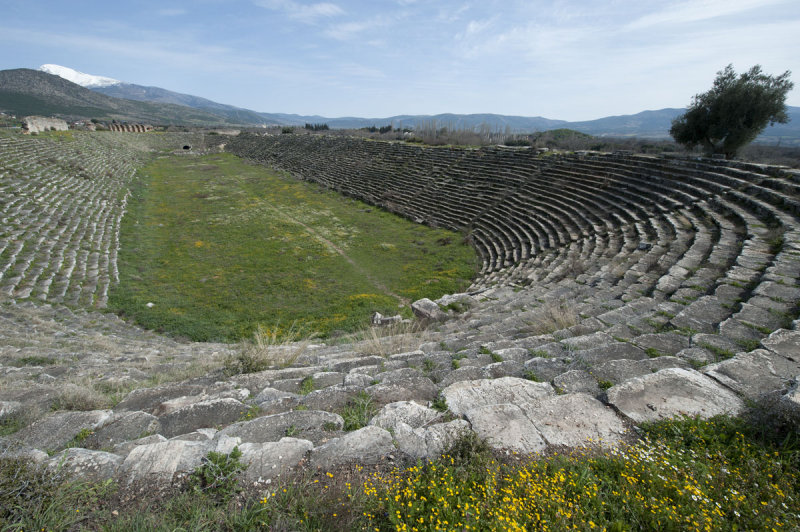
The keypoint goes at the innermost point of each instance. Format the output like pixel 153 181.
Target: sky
pixel 568 60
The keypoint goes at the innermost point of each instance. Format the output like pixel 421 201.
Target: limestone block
pixel 273 401
pixel 57 430
pixel 575 381
pixel 702 315
pixel 697 355
pixel 201 415
pixel 466 395
pixel 95 466
pixel 148 399
pixel 409 412
pixel 673 392
pixel 413 387
pixel 575 420
pixel 266 461
pixel 202 434
pixel 427 310
pixel 330 399
pixel 121 427
pixel 784 342
pixel 664 343
pixel 506 368
pixel 428 442
pixel 163 462
pixel 755 373
pixel 368 445
pixel 587 341
pixel 548 368
pixel 124 448
pixel 517 354
pixel 571 420
pixel 311 425
pixel 505 426
pixel 612 351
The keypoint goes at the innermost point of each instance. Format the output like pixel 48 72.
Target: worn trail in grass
pixel 219 246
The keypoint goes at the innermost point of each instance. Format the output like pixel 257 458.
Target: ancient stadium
pixel 613 290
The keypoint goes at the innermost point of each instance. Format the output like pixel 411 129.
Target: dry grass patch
pixel 81 398
pixel 551 317
pixel 390 339
pixel 271 347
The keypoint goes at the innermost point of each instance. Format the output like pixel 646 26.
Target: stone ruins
pixel 614 289
pixel 130 128
pixel 38 124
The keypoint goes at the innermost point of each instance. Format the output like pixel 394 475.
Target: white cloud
pixel 697 10
pixel 346 30
pixel 302 12
pixel 179 51
pixel 477 26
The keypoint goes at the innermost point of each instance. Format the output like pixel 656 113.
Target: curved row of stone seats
pixel 63 199
pixel 616 192
pixel 478 376
pixel 512 241
pixel 589 286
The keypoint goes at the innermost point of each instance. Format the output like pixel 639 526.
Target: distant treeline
pixel 316 127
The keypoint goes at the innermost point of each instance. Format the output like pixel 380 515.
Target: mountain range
pixel 59 90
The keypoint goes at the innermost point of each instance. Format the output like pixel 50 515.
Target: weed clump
pixel 269 348
pixel 33 497
pixel 358 411
pixel 390 339
pixel 551 317
pixel 218 475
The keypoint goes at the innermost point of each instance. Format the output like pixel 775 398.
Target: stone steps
pixel 617 289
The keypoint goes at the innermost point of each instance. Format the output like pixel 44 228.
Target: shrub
pixel 218 475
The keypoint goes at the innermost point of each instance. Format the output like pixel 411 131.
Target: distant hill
pixel 656 124
pixel 647 124
pixel 24 91
pixel 142 93
pixel 644 124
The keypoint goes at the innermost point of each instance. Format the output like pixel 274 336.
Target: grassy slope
pixel 220 246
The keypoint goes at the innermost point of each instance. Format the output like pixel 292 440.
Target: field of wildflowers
pixel 688 474
pixel 682 475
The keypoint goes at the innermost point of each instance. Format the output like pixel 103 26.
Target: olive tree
pixel 734 111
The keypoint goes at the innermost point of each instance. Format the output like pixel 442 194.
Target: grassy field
pixel 212 247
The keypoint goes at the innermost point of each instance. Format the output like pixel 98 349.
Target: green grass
pixel 358 411
pixel 219 246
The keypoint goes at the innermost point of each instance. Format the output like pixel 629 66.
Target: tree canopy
pixel 734 111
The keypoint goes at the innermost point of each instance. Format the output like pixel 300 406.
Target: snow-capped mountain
pixel 84 80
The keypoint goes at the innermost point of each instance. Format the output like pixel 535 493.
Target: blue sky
pixel 571 60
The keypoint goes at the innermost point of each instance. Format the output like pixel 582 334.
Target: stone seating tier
pixel 674 282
